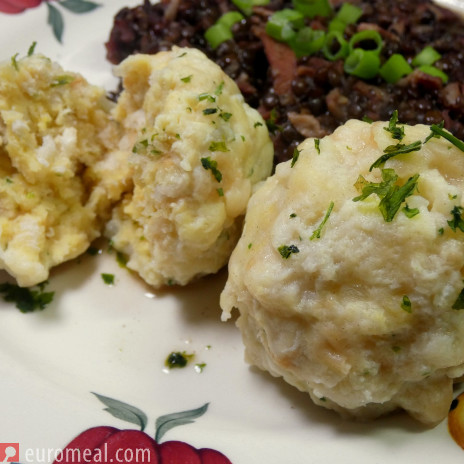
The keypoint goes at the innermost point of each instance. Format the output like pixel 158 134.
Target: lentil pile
pixel 310 96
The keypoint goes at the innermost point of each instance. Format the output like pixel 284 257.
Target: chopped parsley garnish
pixel 286 250
pixel 317 145
pixel 437 130
pixel 108 278
pixel 293 215
pixel 178 359
pixel 199 367
pixel 459 303
pixel 208 111
pixel 367 119
pixel 219 88
pixel 225 116
pixel 395 131
pixel 410 212
pixel 218 146
pixel 296 155
pixel 220 192
pixel 457 222
pixel 391 195
pixel 406 304
pixel 210 164
pixel 187 79
pixel 27 299
pixel 271 124
pixel 206 96
pixel 14 61
pixel 31 49
pixel 317 232
pixel 62 80
pixel 395 150
pixel 257 124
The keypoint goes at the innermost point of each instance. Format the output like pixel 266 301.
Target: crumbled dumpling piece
pixel 349 280
pixel 197 151
pixel 60 167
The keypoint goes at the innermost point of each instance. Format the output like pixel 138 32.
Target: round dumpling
pixel 197 150
pixel 61 169
pixel 348 277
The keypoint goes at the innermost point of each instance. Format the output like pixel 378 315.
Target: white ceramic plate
pixel 113 340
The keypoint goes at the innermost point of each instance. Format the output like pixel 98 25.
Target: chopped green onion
pixel 230 18
pixel 349 14
pixel 312 8
pixel 434 71
pixel 395 68
pixel 307 41
pixel 395 150
pixel 362 63
pixel 336 25
pixel 427 56
pixel 406 304
pixel 283 24
pixel 217 34
pixel 317 232
pixel 368 35
pixel 334 40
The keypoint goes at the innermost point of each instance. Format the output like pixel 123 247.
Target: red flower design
pixel 109 445
pixel 18 6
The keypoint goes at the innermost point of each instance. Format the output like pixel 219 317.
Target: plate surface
pixel 113 340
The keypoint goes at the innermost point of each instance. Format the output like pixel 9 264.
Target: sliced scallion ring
pixel 434 71
pixel 362 63
pixel 283 24
pixel 230 18
pixel 335 39
pixel 216 34
pixel 307 41
pixel 428 56
pixel 368 35
pixel 312 8
pixel 349 14
pixel 395 68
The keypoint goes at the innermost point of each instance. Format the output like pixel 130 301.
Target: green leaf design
pixel 55 20
pixel 169 421
pixel 124 411
pixel 79 6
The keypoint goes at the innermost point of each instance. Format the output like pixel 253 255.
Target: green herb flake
pixel 286 250
pixel 395 150
pixel 108 278
pixel 200 367
pixel 218 146
pixel 441 231
pixel 257 124
pixel 14 61
pixel 391 195
pixel 410 212
pixel 207 97
pixel 406 304
pixel 220 192
pixel 293 215
pixel 187 79
pixel 225 116
pixel 31 49
pixel 8 180
pixel 271 122
pixel 317 145
pixel 367 119
pixel 296 155
pixel 317 232
pixel 219 89
pixel 396 348
pixel 210 164
pixel 250 245
pixel 177 359
pixel 27 299
pixel 62 80
pixel 457 222
pixel 396 131
pixel 459 303
pixel 93 251
pixel 437 130
pixel 209 111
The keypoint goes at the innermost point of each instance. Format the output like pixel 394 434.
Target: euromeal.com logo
pixel 9 452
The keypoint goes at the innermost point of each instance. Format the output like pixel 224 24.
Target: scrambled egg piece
pixel 60 167
pixel 349 274
pixel 198 150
